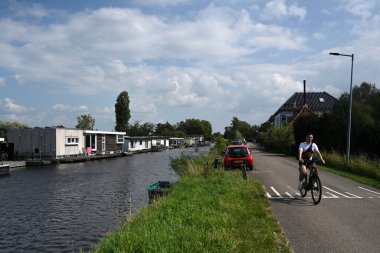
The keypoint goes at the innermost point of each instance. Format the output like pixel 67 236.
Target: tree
pixel 282 138
pixel 195 127
pixel 122 112
pixel 85 122
pixel 365 136
pixel 207 129
pixel 330 131
pixel 138 129
pixel 240 130
pixel 6 125
pixel 165 129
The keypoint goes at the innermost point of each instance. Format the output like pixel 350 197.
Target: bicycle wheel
pixel 303 191
pixel 316 189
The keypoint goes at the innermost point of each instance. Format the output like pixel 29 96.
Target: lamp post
pixel 350 105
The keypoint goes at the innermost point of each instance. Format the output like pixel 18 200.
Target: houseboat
pixel 59 144
pixel 141 144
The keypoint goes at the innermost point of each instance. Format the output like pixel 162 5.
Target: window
pixel 322 100
pixel 71 141
pixel 120 138
pixel 91 141
pixel 103 142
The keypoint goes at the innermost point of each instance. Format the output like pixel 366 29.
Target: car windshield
pixel 237 152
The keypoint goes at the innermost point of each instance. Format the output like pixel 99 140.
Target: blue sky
pixel 178 59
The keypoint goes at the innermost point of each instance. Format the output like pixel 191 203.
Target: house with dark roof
pixel 317 103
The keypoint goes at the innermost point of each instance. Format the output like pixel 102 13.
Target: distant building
pixel 317 103
pixel 194 140
pixel 177 142
pixel 136 144
pixel 59 142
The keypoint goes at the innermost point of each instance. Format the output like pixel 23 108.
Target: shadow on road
pixel 294 201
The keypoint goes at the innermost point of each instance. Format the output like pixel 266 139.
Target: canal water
pixel 68 207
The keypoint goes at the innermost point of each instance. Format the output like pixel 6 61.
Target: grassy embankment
pixel 208 210
pixel 360 168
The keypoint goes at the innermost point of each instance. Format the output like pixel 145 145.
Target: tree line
pixel 330 130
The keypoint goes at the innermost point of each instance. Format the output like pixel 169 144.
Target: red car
pixel 236 155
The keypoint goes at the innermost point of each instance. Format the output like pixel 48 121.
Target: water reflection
pixel 62 208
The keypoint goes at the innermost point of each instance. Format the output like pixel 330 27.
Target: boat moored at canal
pixel 4 169
pixel 60 144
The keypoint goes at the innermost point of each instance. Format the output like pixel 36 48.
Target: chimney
pixel 304 92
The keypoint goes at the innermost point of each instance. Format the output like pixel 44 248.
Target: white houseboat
pixel 139 144
pixel 58 143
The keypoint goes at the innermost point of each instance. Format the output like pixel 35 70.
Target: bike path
pixel 346 220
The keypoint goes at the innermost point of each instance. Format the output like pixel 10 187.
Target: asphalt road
pixel 346 220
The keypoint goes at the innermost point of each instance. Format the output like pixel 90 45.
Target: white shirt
pixel 305 146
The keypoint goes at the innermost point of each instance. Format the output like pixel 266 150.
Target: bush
pixel 360 165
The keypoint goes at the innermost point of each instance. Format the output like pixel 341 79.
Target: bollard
pixel 216 162
pixel 244 171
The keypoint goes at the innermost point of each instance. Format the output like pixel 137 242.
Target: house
pixel 176 142
pixel 54 143
pixel 194 140
pixel 137 144
pixel 317 103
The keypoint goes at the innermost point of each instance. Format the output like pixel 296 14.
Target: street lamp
pixel 350 104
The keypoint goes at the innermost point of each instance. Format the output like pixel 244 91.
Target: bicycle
pixel 312 182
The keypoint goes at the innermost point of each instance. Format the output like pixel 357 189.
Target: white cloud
pixel 319 36
pixel 363 9
pixel 279 9
pixel 159 2
pixel 91 51
pixel 10 107
pixel 139 106
pixel 31 10
pixel 69 108
pixel 183 94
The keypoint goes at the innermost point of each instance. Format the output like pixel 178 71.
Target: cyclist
pixel 305 153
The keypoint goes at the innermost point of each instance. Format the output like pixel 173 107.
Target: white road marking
pixel 332 196
pixel 278 194
pixel 354 195
pixel 326 195
pixel 290 196
pixel 338 193
pixel 370 191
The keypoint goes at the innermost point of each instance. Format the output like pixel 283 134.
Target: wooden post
pixel 244 171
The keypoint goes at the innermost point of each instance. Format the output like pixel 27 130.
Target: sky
pixel 178 59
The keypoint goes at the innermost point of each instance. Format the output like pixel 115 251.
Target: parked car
pixel 237 142
pixel 236 155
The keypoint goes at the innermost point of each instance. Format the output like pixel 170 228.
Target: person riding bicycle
pixel 305 153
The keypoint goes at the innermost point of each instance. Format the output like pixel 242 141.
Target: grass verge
pixel 208 210
pixel 360 168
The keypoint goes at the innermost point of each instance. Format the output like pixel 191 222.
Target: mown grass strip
pixel 204 213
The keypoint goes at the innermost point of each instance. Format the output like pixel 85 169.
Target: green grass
pixel 360 168
pixel 208 210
